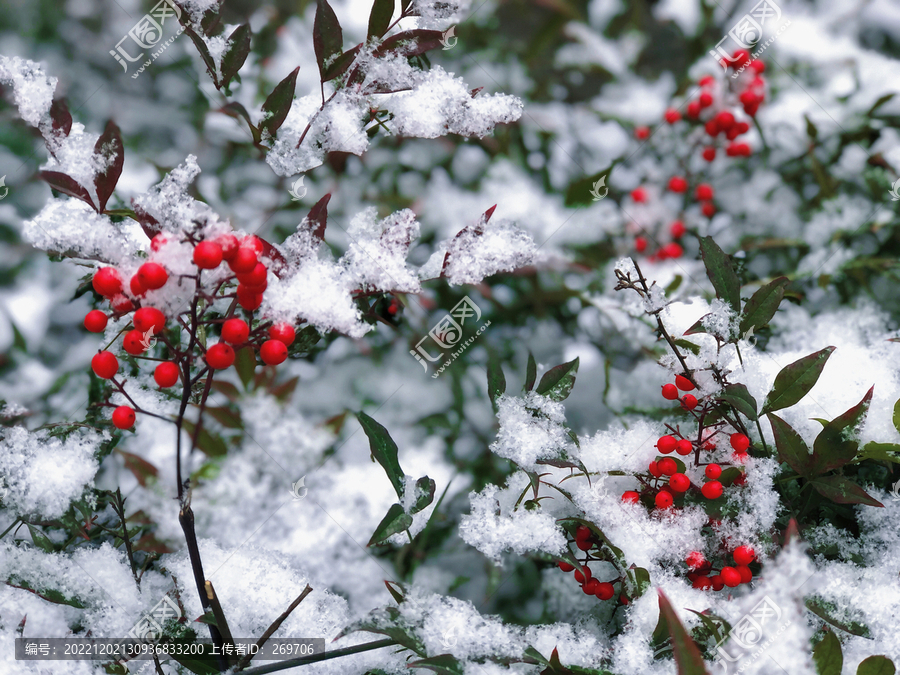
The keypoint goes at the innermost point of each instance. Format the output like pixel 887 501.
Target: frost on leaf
pixel 485 249
pixel 44 474
pixel 721 320
pixel 531 428
pixel 32 88
pixel 495 526
pixel 439 14
pixel 376 258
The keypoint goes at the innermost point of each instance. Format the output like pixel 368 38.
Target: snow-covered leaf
pixel 721 273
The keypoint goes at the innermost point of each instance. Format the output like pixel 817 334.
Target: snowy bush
pixel 645 254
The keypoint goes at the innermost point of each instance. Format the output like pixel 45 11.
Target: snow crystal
pixel 376 257
pixel 531 428
pixel 721 320
pixel 438 14
pixel 489 248
pixel 44 474
pixel 32 88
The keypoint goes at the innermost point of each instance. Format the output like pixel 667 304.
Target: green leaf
pixel 795 380
pixel 835 445
pixel 531 373
pixel 880 102
pixel 340 65
pixel 211 444
pixel 792 449
pixel 245 365
pixel 687 655
pixel 278 104
pixel 581 191
pixel 687 344
pixel 387 621
pixel 443 664
pixel 842 490
pixel 557 382
pixel 380 17
pixel 228 418
pixel 111 152
pixel 427 486
pixel 896 416
pixel 716 625
pixel 828 656
pixel 721 273
pixel 740 398
pixel 48 594
pixel 496 380
pixel 398 595
pixel 328 39
pixel 826 611
pixel 876 665
pixel 396 520
pixel 880 452
pixel 762 305
pixel 239 48
pixel 384 450
pixel 40 539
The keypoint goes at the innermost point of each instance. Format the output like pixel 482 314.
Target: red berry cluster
pixel 585 541
pixel 243 259
pixel 731 576
pixel 716 109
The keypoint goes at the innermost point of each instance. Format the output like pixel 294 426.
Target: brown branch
pixel 276 624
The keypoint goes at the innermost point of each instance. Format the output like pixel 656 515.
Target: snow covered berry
pixel 166 374
pixel 695 560
pixel 220 356
pixel 744 555
pixel 273 352
pixel 152 275
pixel 105 365
pixel 235 331
pixel 123 417
pixel 207 255
pixel 631 497
pixel 712 490
pixel 229 245
pixel 95 321
pixel 670 392
pixel 740 442
pixel 107 282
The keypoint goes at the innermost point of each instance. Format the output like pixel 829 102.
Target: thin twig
pixel 276 624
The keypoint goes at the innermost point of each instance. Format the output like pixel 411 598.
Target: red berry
pixel 740 480
pixel 605 590
pixel 248 299
pixel 712 489
pixel 708 209
pixel 693 110
pixel 642 133
pixel 121 304
pixel 730 576
pixel 654 469
pixel 717 582
pixel 712 129
pixel 254 277
pixel 166 374
pixel 705 99
pixel 683 383
pixel 631 497
pixel 679 482
pixel 254 243
pixel 149 317
pixel 564 566
pixel 758 66
pixel 243 261
pixel 677 229
pixel 105 365
pixel 706 81
pixel 283 332
pixel 732 133
pixel 582 532
pixel 702 583
pixel 152 275
pixel 670 392
pixel 740 442
pixel 623 599
pixel 639 195
pixel 746 574
pixel 725 120
pixel 123 417
pixel 584 544
pixel 684 447
pixel 207 255
pixel 671 250
pixel 666 444
pixel 220 356
pixel 713 471
pixel 235 331
pixel 95 321
pixel 704 192
pixel 136 287
pixel 677 184
pixel 709 153
pixel 157 242
pixel 590 586
pixel 688 401
pixel 744 555
pixel 229 245
pixel 663 500
pixel 107 282
pixel 667 466
pixel 273 352
pixel 640 244
pixel 695 560
pixel 743 127
pixel 579 577
pixel 742 58
pixel 748 97
pixel 672 115
pixel 133 342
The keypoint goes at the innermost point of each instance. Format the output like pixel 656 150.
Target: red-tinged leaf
pixel 698 327
pixel 63 183
pixel 836 444
pixel 530 372
pixel 279 262
pixel 557 382
pixel 285 390
pixel 211 18
pixel 380 17
pixel 149 224
pixel 791 532
pixel 475 91
pixel 687 655
pixel 61 117
pixel 317 218
pixel 278 104
pixel 234 58
pixel 792 449
pixel 227 389
pixel 794 381
pixel 142 469
pixel 151 544
pixel 228 418
pixel 109 147
pixel 204 51
pixel 339 66
pixel 411 42
pixel 236 110
pixel 328 38
pixel 477 229
pixel 842 490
